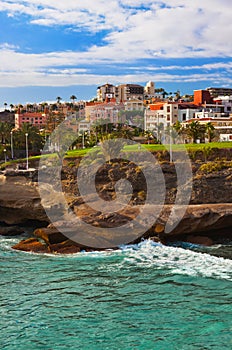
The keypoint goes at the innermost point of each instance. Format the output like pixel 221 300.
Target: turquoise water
pixel 141 297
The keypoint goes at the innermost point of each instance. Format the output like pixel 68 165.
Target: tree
pixel 209 129
pixel 5 105
pixel 159 129
pixel 111 146
pixel 73 98
pixel 11 107
pixel 195 130
pixel 177 127
pixel 35 140
pixel 5 130
pixel 53 119
pixel 58 99
pixel 162 91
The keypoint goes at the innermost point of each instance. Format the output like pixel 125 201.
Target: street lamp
pixel 4 154
pixel 11 144
pixel 27 149
pixel 170 144
pixel 83 140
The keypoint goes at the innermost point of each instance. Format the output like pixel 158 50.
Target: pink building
pixel 106 111
pixel 34 118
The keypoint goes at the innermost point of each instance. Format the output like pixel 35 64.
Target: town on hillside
pixel 143 113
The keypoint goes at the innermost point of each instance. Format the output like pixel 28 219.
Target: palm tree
pixel 73 98
pixel 11 107
pixel 5 105
pixel 58 99
pixel 159 129
pixel 209 129
pixel 177 127
pixel 5 129
pixel 195 130
pixel 35 140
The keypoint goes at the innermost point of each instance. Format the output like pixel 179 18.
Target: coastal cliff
pixel 209 212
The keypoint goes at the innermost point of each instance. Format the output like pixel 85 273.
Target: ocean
pixel 145 296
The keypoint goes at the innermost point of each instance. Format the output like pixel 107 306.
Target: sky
pixel 56 48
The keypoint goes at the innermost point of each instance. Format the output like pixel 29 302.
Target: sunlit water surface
pixel 139 297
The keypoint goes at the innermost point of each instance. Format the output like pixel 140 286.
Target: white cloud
pixel 137 29
pixel 56 69
pixel 168 28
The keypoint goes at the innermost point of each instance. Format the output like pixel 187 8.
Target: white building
pixel 106 92
pixel 149 90
pixel 225 137
pixel 165 114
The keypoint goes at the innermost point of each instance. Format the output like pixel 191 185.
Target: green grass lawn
pixel 130 148
pixel 156 148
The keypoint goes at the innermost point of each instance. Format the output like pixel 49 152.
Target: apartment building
pixel 149 90
pixel 126 92
pixel 36 119
pixel 219 91
pixel 226 101
pixel 106 111
pixel 106 92
pixel 89 106
pixel 187 111
pixel 165 113
pixel 201 97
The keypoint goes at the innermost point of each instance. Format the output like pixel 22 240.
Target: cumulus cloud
pixel 176 28
pixel 57 69
pixel 136 29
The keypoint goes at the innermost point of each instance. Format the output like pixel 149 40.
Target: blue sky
pixel 54 48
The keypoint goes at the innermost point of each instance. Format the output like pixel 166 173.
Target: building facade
pixel 219 91
pixel 201 97
pixel 108 112
pixel 149 90
pixel 165 114
pixel 106 92
pixel 36 119
pixel 127 92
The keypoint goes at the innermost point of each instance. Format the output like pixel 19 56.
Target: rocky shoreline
pixel 207 219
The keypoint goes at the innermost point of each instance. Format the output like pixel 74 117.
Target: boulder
pixel 11 231
pixel 31 245
pixel 50 235
pixel 66 247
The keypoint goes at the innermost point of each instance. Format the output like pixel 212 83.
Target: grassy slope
pixel 132 148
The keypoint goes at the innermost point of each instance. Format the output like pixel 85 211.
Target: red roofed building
pixel 36 119
pixel 165 113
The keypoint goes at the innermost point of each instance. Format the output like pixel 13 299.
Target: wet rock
pixel 31 245
pixel 202 240
pixel 11 231
pixel 66 247
pixel 50 235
